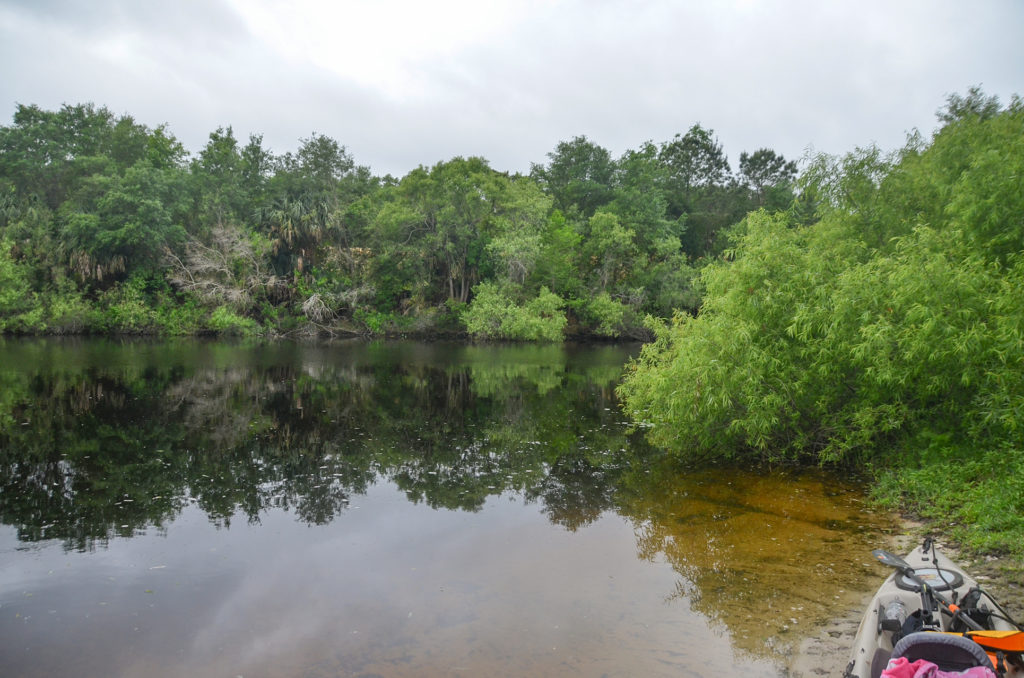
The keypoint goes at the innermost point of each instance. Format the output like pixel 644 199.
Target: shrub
pixel 180 317
pixel 125 308
pixel 69 313
pixel 18 309
pixel 841 339
pixel 494 315
pixel 606 315
pixel 225 321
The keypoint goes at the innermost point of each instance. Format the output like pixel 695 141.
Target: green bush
pixel 495 315
pixel 179 318
pixel 225 321
pixel 540 319
pixel 379 322
pixel 832 343
pixel 128 308
pixel 19 311
pixel 69 312
pixel 606 315
pixel 487 313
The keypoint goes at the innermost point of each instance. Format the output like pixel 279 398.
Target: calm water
pixel 387 509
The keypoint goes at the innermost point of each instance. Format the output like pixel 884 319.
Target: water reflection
pixel 95 447
pixel 217 449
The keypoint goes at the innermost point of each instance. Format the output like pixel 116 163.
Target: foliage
pixel 128 308
pixel 136 218
pixel 767 173
pixel 310 241
pixel 443 218
pixel 607 315
pixel 979 496
pixel 224 321
pixel 68 312
pixel 696 158
pixel 832 342
pixel 50 154
pixel 16 299
pixel 578 176
pixel 377 322
pixel 179 317
pixel 493 314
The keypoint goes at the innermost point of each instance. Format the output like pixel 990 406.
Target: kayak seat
pixel 949 652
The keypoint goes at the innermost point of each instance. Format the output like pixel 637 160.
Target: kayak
pixel 930 609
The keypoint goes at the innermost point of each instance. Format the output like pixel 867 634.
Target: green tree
pixel 17 302
pixel 640 199
pixel 126 223
pixel 520 223
pixel 661 278
pixel 695 159
pixel 557 265
pixel 769 176
pixel 217 175
pixel 609 250
pixel 163 150
pixel 432 229
pixel 47 154
pixel 975 104
pixel 255 166
pixel 579 176
pixel 700 189
pixel 306 200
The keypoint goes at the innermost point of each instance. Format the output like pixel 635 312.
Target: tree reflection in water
pixel 94 447
pixel 100 439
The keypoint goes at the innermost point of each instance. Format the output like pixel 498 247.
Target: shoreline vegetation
pixel 863 313
pixel 886 335
pixel 110 227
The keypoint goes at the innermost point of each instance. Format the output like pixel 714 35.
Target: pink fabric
pixel 901 667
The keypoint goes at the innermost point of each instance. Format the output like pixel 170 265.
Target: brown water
pixel 402 509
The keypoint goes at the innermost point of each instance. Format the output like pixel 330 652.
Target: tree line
pixel 110 226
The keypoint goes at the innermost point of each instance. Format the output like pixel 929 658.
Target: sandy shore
pixel 827 652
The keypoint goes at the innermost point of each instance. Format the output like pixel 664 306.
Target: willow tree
pixel 892 321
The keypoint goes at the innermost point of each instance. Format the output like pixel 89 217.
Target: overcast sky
pixel 402 83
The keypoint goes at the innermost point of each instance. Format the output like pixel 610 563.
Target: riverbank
pixel 827 651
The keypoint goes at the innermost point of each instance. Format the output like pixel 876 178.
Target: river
pixel 207 508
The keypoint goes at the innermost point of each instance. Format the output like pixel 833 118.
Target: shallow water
pixel 386 509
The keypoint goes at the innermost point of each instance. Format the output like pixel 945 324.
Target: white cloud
pixel 379 44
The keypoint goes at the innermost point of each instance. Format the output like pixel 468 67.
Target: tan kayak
pixel 929 608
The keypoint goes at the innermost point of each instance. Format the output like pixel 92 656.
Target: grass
pixel 977 498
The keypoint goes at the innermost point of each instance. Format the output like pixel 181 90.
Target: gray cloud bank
pixel 784 75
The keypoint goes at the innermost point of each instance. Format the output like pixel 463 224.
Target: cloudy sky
pixel 407 82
